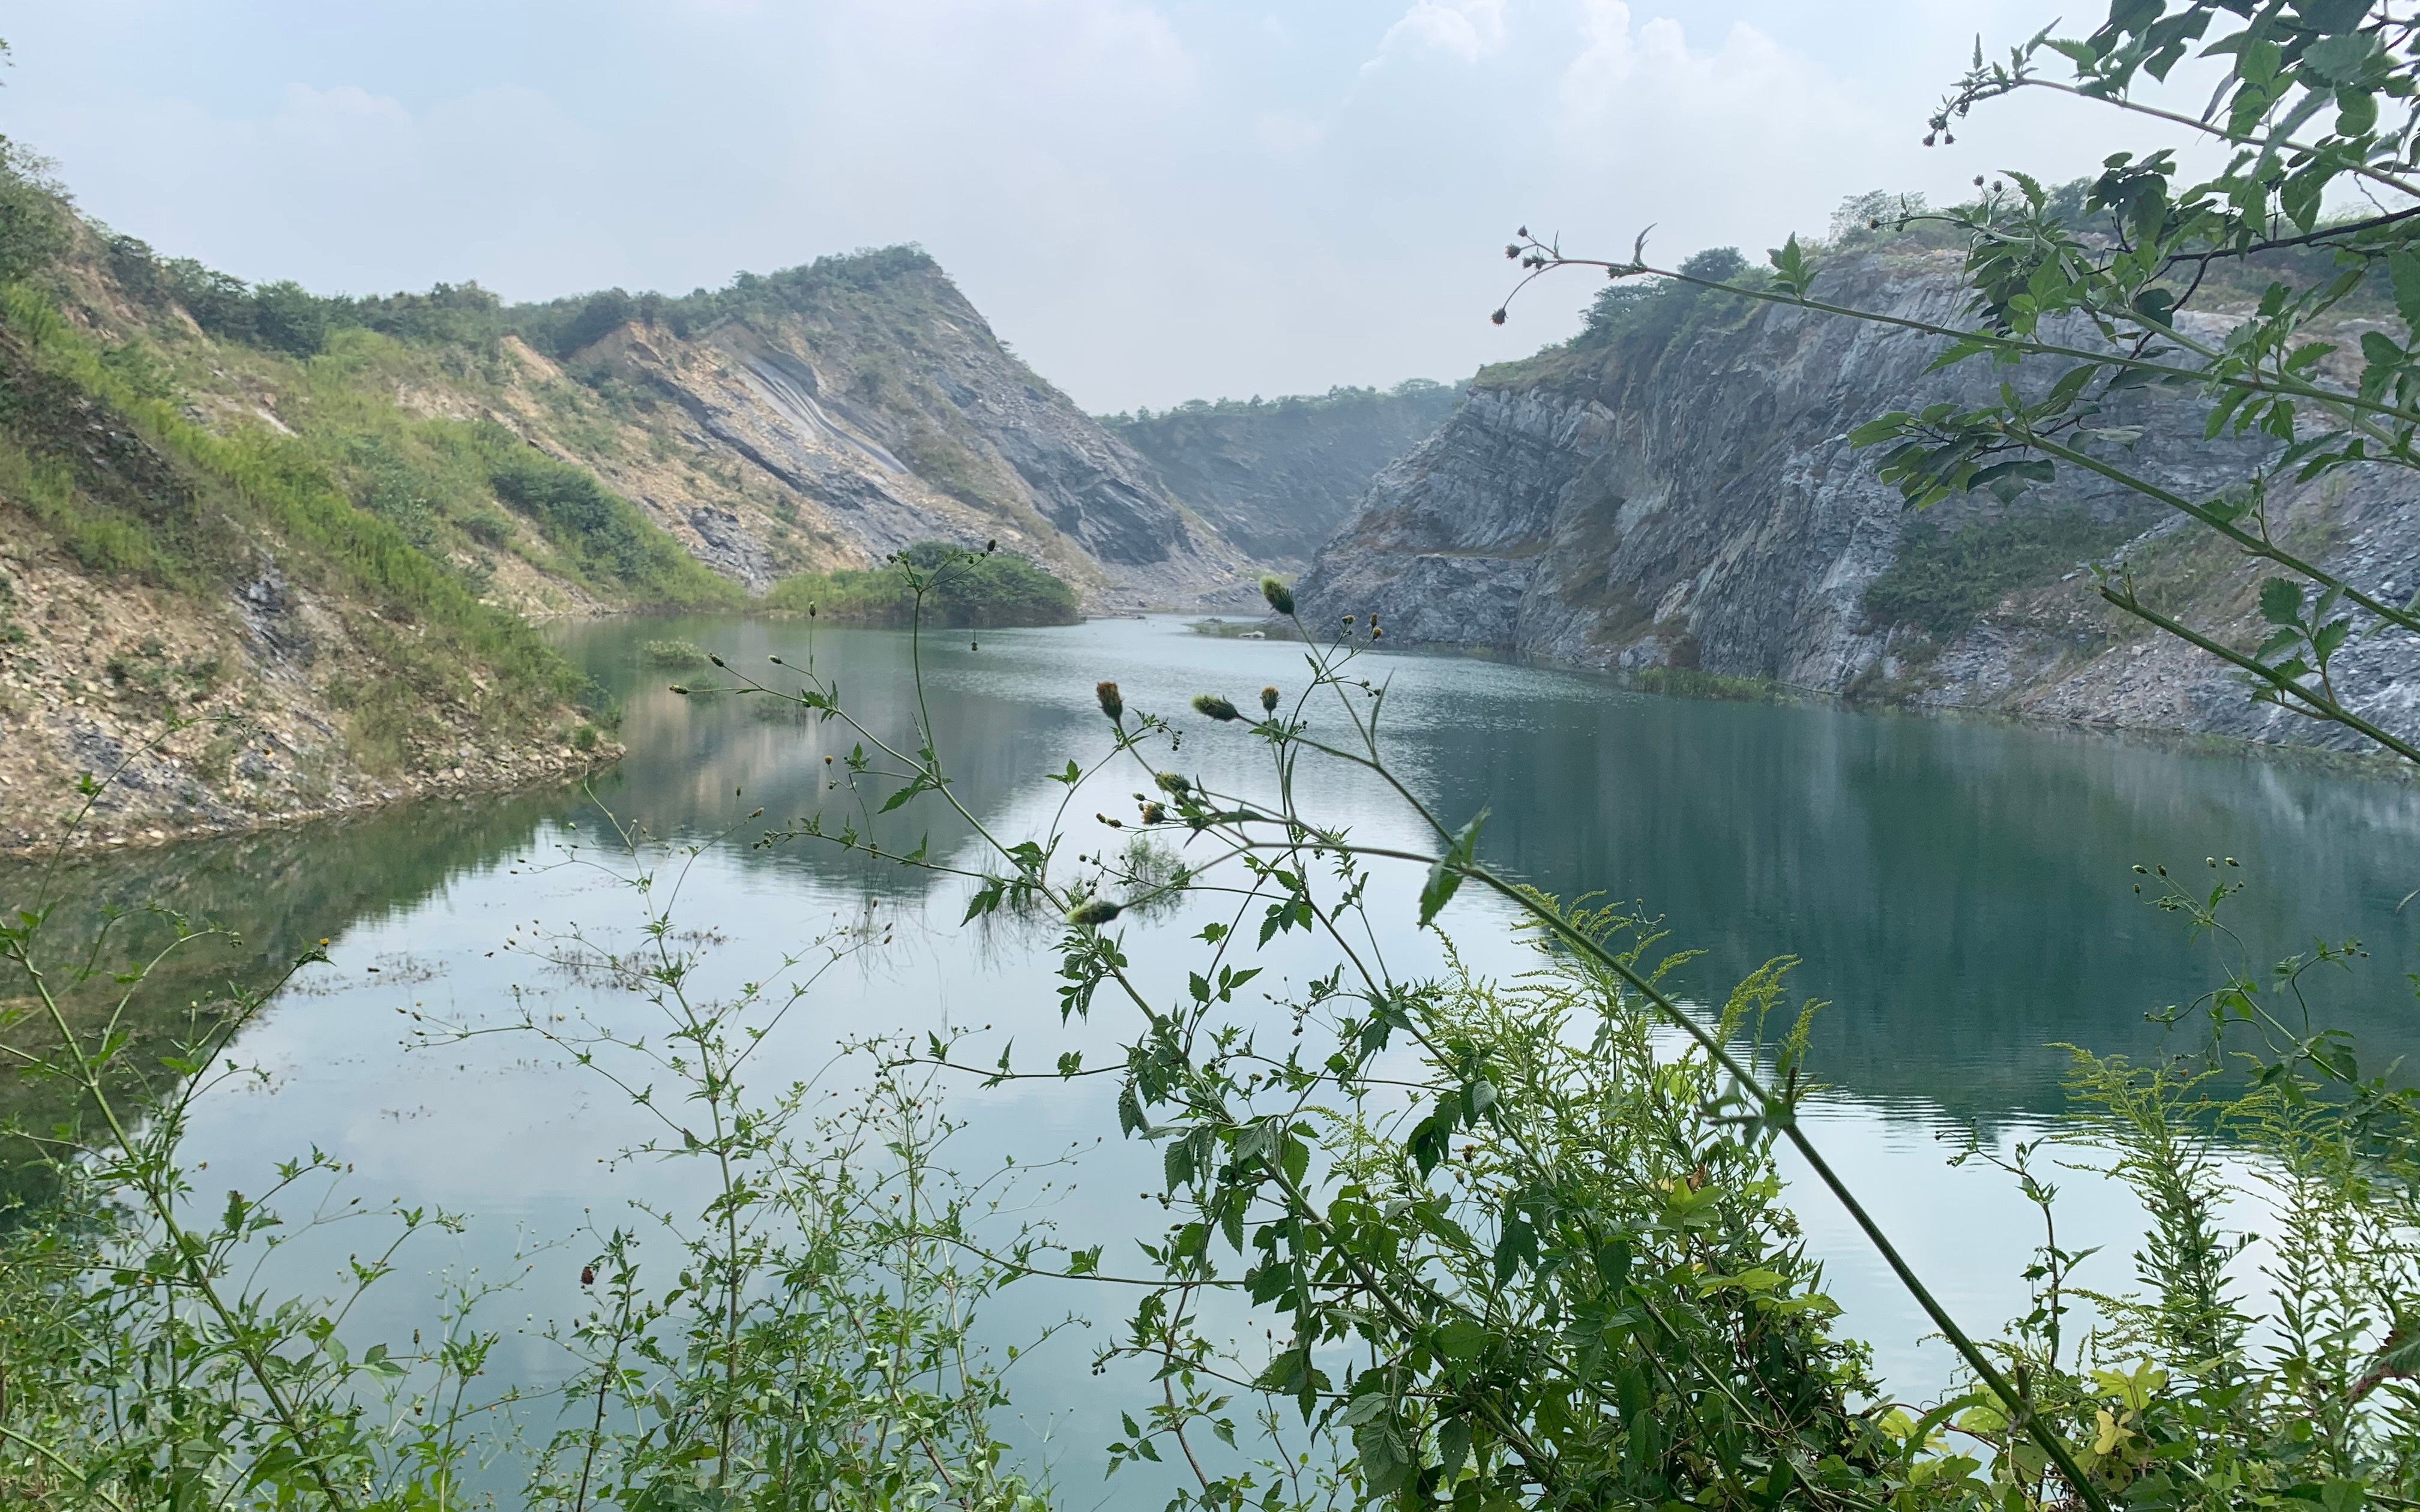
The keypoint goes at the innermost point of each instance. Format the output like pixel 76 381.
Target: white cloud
pixel 1153 198
pixel 1287 132
pixel 1467 29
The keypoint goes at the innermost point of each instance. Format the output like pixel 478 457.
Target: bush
pixel 674 653
pixel 604 535
pixel 34 216
pixel 964 590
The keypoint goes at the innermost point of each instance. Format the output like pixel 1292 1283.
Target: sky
pixel 1152 200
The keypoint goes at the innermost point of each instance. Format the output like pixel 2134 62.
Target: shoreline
pixel 2372 765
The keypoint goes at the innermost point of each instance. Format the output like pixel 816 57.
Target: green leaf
pixel 2280 601
pixel 1789 270
pixel 2356 112
pixel 2279 644
pixel 1445 873
pixel 2341 59
pixel 1880 429
pixel 1365 1409
pixel 2403 273
pixel 2070 383
pixel 1461 1340
pixel 986 899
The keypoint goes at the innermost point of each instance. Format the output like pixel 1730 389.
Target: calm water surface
pixel 1960 894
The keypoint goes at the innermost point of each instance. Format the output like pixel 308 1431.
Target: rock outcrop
pixel 1689 498
pixel 864 409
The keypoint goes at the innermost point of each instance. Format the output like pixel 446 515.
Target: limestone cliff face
pixel 1695 503
pixel 1278 478
pixel 863 413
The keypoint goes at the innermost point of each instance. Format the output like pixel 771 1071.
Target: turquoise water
pixel 1960 894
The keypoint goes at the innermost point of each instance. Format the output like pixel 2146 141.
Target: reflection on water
pixel 1960 893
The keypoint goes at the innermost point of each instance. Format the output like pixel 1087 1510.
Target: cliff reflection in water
pixel 1960 892
pixel 263 897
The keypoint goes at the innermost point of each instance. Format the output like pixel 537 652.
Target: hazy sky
pixel 1153 199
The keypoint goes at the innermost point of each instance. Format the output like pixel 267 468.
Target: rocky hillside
pixel 829 415
pixel 1278 477
pixel 1678 490
pixel 315 530
pixel 816 418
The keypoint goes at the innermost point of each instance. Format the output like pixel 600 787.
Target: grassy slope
pixel 151 472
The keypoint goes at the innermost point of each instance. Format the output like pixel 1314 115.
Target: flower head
pixel 1113 702
pixel 1212 706
pixel 1280 597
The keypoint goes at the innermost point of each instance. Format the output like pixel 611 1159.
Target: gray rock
pixel 1698 505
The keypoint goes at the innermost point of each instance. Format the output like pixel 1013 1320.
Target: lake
pixel 1960 893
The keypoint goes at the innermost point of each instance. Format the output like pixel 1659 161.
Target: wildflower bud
pixel 777 661
pixel 1349 619
pixel 1499 315
pixel 682 691
pixel 1172 783
pixel 1376 633
pixel 712 658
pixel 992 546
pixel 811 612
pixel 1268 700
pixel 1113 702
pixel 1098 911
pixel 1280 597
pixel 1153 814
pixel 1522 232
pixel 1212 706
pixel 1511 251
pixel 588 1276
pixel 1113 823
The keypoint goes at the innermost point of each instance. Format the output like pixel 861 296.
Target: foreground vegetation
pixel 1515 1243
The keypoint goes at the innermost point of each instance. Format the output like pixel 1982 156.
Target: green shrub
pixel 601 532
pixel 967 590
pixel 34 216
pixel 674 653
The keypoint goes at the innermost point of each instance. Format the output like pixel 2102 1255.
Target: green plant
pixel 1513 1251
pixel 2081 294
pixel 978 590
pixel 674 653
pixel 806 1343
pixel 33 214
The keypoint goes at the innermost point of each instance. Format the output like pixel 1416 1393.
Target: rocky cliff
pixel 266 554
pixel 829 415
pixel 1681 493
pixel 1278 477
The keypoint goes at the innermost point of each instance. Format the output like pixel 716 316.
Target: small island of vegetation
pixel 981 590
